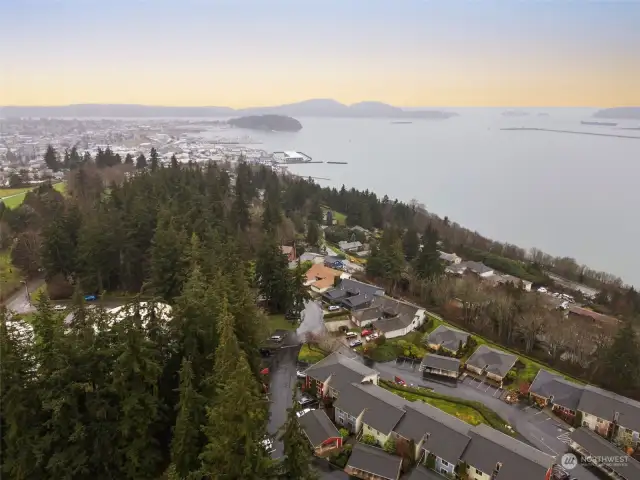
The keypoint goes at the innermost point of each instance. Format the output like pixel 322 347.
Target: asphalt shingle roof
pixel 488 447
pixel 421 473
pixel 565 393
pixel 597 446
pixel 448 436
pixel 447 337
pixel 438 361
pixel 497 362
pixel 317 427
pixel 382 409
pixel 604 404
pixel 342 370
pixel 375 460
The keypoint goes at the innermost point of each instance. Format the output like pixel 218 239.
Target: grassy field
pixel 463 412
pixel 310 354
pixel 340 218
pixel 16 195
pixel 278 322
pixel 9 275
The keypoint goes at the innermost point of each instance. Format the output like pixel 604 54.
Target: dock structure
pixel 291 157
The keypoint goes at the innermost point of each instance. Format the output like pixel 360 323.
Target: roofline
pixel 377 474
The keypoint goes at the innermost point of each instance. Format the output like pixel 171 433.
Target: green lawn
pixel 278 322
pixel 407 346
pixel 9 275
pixel 16 201
pixel 339 217
pixel 7 192
pixel 468 411
pixel 311 354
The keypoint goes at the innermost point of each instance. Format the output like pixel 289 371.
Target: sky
pixel 242 53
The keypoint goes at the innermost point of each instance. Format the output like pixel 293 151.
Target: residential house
pixel 320 431
pixel 447 338
pixel 477 268
pixel 311 257
pixel 440 365
pixel 502 279
pixel 550 389
pixel 289 251
pixel 321 278
pixel 450 258
pixel 492 455
pixel 435 433
pixel 350 246
pixel 372 463
pixel 421 473
pixel 587 444
pixel 364 231
pixel 352 294
pixel 493 363
pixel 613 416
pixel 376 411
pixel 332 374
pixel 392 317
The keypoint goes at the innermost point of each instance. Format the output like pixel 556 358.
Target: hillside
pixel 275 123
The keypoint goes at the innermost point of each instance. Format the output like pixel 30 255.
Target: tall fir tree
pixel 141 162
pixel 621 364
pixel 51 158
pixel 154 159
pixel 296 463
pixel 128 159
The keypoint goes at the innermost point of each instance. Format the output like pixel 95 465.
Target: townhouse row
pixel 431 436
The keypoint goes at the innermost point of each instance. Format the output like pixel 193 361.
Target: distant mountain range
pixel 620 113
pixel 307 108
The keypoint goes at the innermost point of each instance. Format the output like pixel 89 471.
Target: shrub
pixel 431 461
pixel 338 313
pixel 340 459
pixel 368 439
pixel 344 433
pixel 381 340
pixel 390 446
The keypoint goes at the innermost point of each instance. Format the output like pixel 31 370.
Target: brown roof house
pixel 321 278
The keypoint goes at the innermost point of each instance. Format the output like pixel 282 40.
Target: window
pixel 444 462
pixel 600 420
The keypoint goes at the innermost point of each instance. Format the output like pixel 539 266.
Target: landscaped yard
pixel 468 411
pixel 20 193
pixel 9 275
pixel 278 322
pixel 311 354
pixel 409 345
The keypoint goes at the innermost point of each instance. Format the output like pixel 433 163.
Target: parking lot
pixel 482 386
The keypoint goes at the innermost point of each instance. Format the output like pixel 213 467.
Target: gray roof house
pixel 478 268
pixel 432 362
pixel 372 462
pixel 339 371
pixel 611 407
pixel 492 361
pixel 493 452
pixel 447 337
pixel 382 409
pixel 444 435
pixel 591 444
pixel 353 294
pixel 556 390
pixel 318 428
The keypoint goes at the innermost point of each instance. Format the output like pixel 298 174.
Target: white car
pixel 277 338
pixel 355 343
pixel 59 308
pixel 267 443
pixel 351 335
pixel 333 308
pixel 300 374
pixel 302 412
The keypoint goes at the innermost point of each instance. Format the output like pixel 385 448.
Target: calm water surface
pixel 575 195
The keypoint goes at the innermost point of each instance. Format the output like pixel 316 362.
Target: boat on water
pixel 601 124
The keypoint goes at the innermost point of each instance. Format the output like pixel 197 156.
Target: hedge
pixel 338 313
pixel 492 418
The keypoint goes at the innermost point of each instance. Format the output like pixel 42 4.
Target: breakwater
pixel 337 163
pixel 532 129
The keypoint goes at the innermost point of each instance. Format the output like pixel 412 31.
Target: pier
pixel 570 131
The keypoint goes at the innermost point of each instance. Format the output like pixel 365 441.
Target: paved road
pixel 19 302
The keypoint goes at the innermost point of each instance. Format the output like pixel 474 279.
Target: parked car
pixel 302 412
pixel 90 298
pixel 277 338
pixel 355 343
pixel 400 381
pixel 267 443
pixel 305 400
pixel 366 333
pixel 59 308
pixel 300 374
pixel 333 308
pixel 352 335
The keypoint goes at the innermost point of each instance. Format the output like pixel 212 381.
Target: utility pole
pixel 26 290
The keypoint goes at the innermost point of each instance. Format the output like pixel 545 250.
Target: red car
pixel 400 381
pixel 366 333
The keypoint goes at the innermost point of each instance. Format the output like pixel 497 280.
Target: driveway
pixel 19 302
pixel 537 429
pixel 312 320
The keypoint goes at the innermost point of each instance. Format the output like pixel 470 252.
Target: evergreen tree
pixel 141 162
pixel 274 277
pixel 128 159
pixel 410 244
pixel 234 447
pixel 272 214
pixel 167 261
pixel 427 264
pixel 621 365
pixel 154 159
pixel 313 233
pixel 296 463
pixel 74 158
pixel 86 158
pixel 174 161
pixel 51 158
pixel 315 212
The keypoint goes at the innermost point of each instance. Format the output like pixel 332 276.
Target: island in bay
pixel 275 123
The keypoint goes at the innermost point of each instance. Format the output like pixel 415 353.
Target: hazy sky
pixel 261 52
